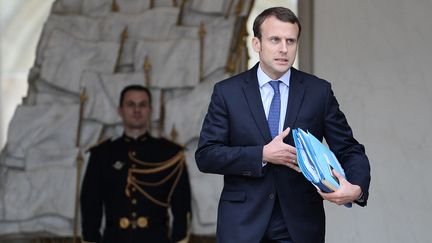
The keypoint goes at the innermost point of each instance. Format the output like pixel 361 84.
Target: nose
pixel 284 47
pixel 136 109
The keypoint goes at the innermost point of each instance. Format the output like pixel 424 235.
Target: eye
pixel 143 105
pixel 291 41
pixel 274 39
pixel 130 104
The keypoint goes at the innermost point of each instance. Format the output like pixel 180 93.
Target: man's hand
pixel 346 193
pixel 278 152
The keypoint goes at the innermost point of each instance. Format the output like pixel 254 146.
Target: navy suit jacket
pixel 231 143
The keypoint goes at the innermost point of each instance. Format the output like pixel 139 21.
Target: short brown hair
pixel 281 13
pixel 134 88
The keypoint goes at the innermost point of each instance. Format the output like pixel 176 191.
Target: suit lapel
pixel 253 98
pixel 296 93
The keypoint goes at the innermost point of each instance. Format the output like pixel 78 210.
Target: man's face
pixel 135 110
pixel 278 46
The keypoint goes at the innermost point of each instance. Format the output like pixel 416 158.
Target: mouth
pixel 281 60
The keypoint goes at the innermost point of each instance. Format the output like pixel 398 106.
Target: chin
pixel 137 126
pixel 282 71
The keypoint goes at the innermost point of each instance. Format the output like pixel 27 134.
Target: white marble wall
pixel 20 26
pixel 377 55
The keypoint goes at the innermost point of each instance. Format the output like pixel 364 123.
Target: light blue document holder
pixel 316 162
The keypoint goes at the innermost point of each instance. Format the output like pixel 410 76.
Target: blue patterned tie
pixel 274 112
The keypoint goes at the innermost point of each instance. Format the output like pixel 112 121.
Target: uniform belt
pixel 140 222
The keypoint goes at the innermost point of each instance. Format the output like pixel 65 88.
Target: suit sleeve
pixel 91 200
pixel 181 207
pixel 350 153
pixel 215 153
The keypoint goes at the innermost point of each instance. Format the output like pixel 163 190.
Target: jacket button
pixel 271 196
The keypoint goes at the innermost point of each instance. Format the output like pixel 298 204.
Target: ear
pixel 256 44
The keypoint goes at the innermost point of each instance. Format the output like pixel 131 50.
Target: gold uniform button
pixel 134 201
pixel 134 214
pixel 124 223
pixel 142 222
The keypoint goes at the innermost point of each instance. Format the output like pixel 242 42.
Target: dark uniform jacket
pixel 133 183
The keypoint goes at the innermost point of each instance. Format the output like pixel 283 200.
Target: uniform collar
pixel 141 138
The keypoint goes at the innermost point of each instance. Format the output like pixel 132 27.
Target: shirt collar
pixel 263 78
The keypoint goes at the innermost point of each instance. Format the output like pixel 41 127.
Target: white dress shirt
pixel 267 93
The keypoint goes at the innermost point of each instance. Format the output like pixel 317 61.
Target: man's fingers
pixel 335 173
pixel 285 133
pixel 338 176
pixel 293 166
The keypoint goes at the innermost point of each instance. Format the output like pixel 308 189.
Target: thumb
pixel 285 133
pixel 338 176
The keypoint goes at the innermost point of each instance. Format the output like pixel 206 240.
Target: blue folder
pixel 316 162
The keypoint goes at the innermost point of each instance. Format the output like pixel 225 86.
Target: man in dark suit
pixel 134 181
pixel 246 137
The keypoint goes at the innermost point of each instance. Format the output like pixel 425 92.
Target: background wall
pixel 20 27
pixel 378 57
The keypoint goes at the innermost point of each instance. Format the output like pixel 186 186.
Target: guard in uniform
pixel 134 181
